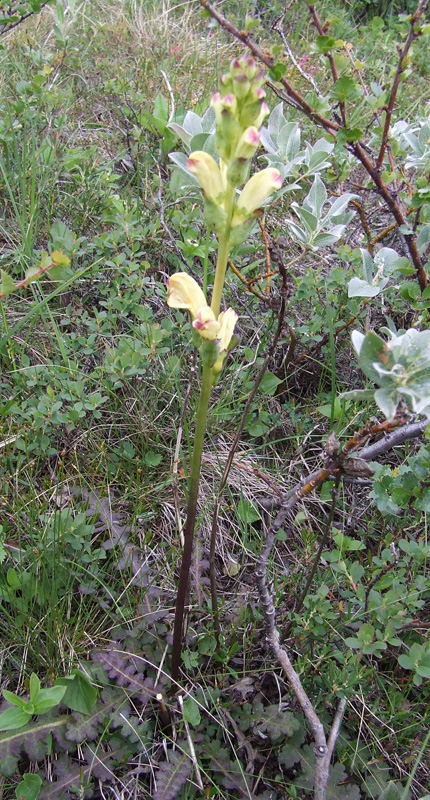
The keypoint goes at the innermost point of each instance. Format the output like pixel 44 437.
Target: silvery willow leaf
pixel 400 367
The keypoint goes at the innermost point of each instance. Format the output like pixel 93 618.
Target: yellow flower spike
pixel 208 174
pixel 184 292
pixel 255 192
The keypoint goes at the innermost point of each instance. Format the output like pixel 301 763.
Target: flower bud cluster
pixel 240 110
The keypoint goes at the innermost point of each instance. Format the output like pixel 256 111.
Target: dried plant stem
pixel 323 747
pixel 191 745
pixel 202 410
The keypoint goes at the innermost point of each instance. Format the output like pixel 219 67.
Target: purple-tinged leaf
pixel 172 775
pixel 31 740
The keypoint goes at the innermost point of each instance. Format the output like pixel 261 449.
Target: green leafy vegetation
pixel 309 574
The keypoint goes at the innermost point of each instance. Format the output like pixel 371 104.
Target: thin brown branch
pixel 245 282
pixel 401 66
pixel 5 28
pixel 334 72
pixel 365 224
pixel 326 338
pixel 26 281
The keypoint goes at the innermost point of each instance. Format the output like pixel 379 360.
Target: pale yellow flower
pixel 206 324
pixel 208 174
pixel 227 320
pixel 255 192
pixel 184 292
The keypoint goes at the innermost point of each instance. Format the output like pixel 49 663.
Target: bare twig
pixel 394 439
pixel 401 66
pixel 334 71
pixel 279 29
pixel 5 28
pixel 323 748
pixel 191 745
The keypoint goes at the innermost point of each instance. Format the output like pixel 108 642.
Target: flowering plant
pixel 240 110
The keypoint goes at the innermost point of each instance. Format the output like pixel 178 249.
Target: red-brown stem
pixel 25 282
pixel 396 82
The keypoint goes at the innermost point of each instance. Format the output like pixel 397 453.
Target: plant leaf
pixel 14 718
pixel 29 787
pixel 172 775
pixel 7 284
pixel 80 694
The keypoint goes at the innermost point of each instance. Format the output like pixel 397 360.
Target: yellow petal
pixel 184 292
pixel 227 320
pixel 255 192
pixel 208 174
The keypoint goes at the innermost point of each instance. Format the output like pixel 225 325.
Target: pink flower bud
pixel 247 143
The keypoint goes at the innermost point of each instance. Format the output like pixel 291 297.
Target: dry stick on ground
pixel 293 97
pixel 323 748
pixel 270 353
pixel 369 453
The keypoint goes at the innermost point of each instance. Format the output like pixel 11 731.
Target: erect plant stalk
pixel 196 460
pixel 223 253
pixel 239 118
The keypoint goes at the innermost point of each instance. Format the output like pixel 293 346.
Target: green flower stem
pixel 202 411
pixel 223 251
